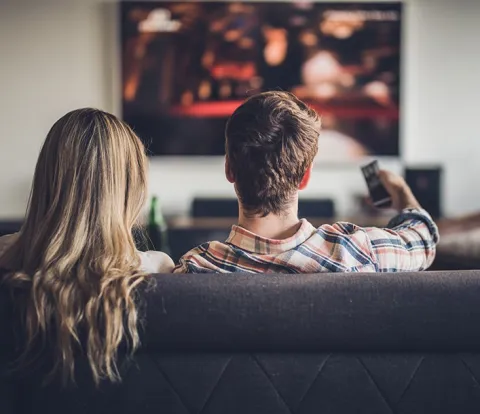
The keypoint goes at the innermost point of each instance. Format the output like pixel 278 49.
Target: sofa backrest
pixel 327 343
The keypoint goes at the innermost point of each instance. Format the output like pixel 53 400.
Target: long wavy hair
pixel 75 257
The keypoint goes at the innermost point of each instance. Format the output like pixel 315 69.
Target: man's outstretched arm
pixel 409 242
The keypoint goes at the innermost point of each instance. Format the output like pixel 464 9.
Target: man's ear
pixel 228 171
pixel 305 179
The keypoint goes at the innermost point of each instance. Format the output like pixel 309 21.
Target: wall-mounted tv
pixel 188 65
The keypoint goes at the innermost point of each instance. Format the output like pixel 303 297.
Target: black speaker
pixel 215 207
pixel 315 208
pixel 228 207
pixel 426 185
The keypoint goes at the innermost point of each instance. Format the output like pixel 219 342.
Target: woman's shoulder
pixel 156 262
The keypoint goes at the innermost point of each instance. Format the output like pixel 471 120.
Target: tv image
pixel 188 65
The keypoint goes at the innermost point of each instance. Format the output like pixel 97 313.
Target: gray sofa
pixel 259 344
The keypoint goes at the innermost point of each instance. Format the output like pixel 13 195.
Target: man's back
pixel 407 245
pixel 271 143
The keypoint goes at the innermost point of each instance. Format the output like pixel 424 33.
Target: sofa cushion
pixel 430 311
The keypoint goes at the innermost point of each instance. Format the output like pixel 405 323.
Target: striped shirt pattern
pixel 407 244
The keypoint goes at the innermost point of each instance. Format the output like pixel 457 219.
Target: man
pixel 271 142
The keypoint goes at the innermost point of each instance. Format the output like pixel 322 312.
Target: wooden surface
pixel 214 223
pixel 446 226
pixel 207 223
pixel 459 246
pixel 450 254
pixel 460 224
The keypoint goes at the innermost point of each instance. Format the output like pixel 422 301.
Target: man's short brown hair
pixel 271 141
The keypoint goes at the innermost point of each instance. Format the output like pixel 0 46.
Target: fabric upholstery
pixel 376 343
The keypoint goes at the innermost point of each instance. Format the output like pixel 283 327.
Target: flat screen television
pixel 188 65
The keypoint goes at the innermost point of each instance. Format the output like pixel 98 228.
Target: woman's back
pixel 74 258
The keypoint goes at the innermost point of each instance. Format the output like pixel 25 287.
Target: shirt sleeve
pixel 408 244
pixel 187 262
pixel 181 267
pixel 193 264
pixel 196 261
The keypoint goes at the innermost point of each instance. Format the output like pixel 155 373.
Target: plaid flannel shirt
pixel 408 244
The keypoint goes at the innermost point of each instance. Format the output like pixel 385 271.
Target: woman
pixel 74 258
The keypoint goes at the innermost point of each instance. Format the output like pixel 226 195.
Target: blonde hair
pixel 75 253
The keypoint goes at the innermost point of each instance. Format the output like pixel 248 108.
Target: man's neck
pixel 273 226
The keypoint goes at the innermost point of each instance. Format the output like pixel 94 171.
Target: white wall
pixel 60 55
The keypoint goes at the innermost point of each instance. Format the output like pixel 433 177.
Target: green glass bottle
pixel 157 230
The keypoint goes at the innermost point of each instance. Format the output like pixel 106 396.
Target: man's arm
pixel 181 267
pixel 194 262
pixel 409 242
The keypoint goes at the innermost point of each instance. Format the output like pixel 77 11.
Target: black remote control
pixel 378 193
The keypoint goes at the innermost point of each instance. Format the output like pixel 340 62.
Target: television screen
pixel 188 65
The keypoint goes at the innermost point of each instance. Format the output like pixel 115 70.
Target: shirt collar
pixel 248 241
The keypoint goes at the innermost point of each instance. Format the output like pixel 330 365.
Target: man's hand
pixel 402 196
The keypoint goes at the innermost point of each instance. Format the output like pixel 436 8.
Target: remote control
pixel 378 193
